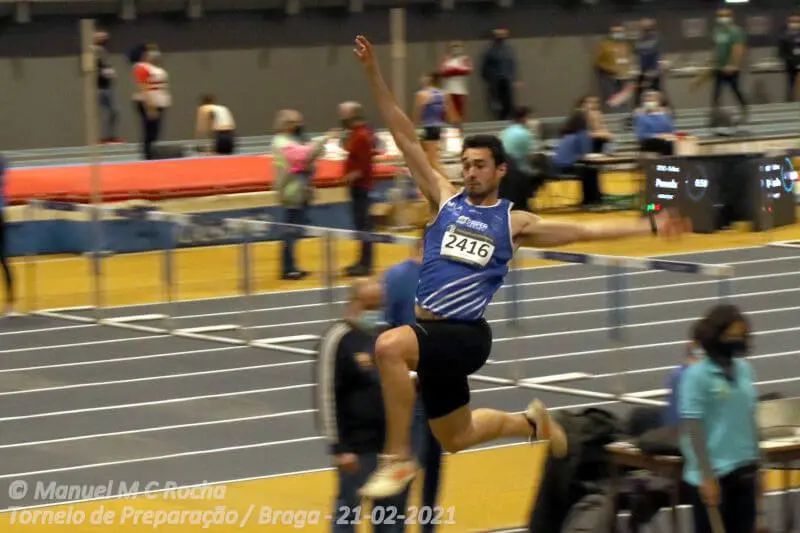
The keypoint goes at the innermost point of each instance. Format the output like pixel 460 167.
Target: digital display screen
pixel 682 185
pixel 773 193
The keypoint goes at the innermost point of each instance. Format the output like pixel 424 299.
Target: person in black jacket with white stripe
pixel 350 407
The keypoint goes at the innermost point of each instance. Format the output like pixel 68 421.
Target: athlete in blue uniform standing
pixel 467 248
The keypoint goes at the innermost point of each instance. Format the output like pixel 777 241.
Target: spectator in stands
pixel 358 175
pixel 152 97
pixel 653 124
pixel 613 63
pixel 107 103
pixel 719 435
pixel 789 52
pixel 433 109
pixel 293 159
pixel 648 51
pixel 729 44
pixel 215 123
pixel 693 354
pixel 596 120
pixel 455 69
pixel 7 275
pixel 519 141
pixel 350 405
pixel 499 72
pixel 575 144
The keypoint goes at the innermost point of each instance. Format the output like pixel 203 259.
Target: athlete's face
pixel 481 175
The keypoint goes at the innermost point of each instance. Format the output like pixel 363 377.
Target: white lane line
pixel 86 343
pixel 648 324
pixel 122 359
pixel 290 363
pixel 221 421
pixel 667 368
pixel 212 451
pixel 161 377
pixel 157 429
pixel 168 401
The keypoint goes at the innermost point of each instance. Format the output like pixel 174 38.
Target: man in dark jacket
pixel 350 406
pixel 499 72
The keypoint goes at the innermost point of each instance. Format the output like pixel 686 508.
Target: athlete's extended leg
pixel 465 428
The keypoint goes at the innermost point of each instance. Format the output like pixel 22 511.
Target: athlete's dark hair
pixel 490 142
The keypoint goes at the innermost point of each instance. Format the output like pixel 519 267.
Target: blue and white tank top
pixel 433 113
pixel 465 260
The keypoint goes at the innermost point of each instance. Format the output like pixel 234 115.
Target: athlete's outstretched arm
pixel 531 230
pixel 433 185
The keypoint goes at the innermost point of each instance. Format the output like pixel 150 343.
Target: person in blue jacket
pixel 654 126
pixel 574 145
pixel 7 275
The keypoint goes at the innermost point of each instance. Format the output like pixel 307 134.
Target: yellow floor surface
pixel 481 490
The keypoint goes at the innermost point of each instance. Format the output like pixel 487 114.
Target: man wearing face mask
pixel 789 51
pixel 719 435
pixel 729 44
pixel 654 127
pixel 613 63
pixel 360 146
pixel 350 404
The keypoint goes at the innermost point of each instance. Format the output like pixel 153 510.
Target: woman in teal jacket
pixel 719 434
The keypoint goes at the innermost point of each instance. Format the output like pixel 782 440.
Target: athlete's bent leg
pixel 397 353
pixel 464 428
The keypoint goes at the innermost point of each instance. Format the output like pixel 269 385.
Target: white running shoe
pixel 547 428
pixel 391 477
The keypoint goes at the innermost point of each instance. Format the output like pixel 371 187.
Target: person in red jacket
pixel 455 69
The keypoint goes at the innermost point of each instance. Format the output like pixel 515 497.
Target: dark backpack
pixel 566 481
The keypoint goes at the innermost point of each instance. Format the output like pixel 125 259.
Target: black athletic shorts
pixel 431 133
pixel 449 351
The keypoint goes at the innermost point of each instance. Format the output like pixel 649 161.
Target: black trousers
pixel 9 282
pixel 225 142
pixel 363 222
pixel 737 502
pixel 298 216
pixel 151 129
pixel 590 183
pixel 791 80
pixel 501 98
pixel 731 80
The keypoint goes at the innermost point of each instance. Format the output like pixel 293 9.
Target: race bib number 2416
pixel 467 248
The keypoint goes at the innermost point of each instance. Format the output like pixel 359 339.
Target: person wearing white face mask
pixel 653 125
pixel 729 42
pixel 789 51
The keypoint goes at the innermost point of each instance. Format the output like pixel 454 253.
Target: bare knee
pixel 453 444
pixel 397 346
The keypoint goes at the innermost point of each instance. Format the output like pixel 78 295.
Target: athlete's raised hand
pixel 364 51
